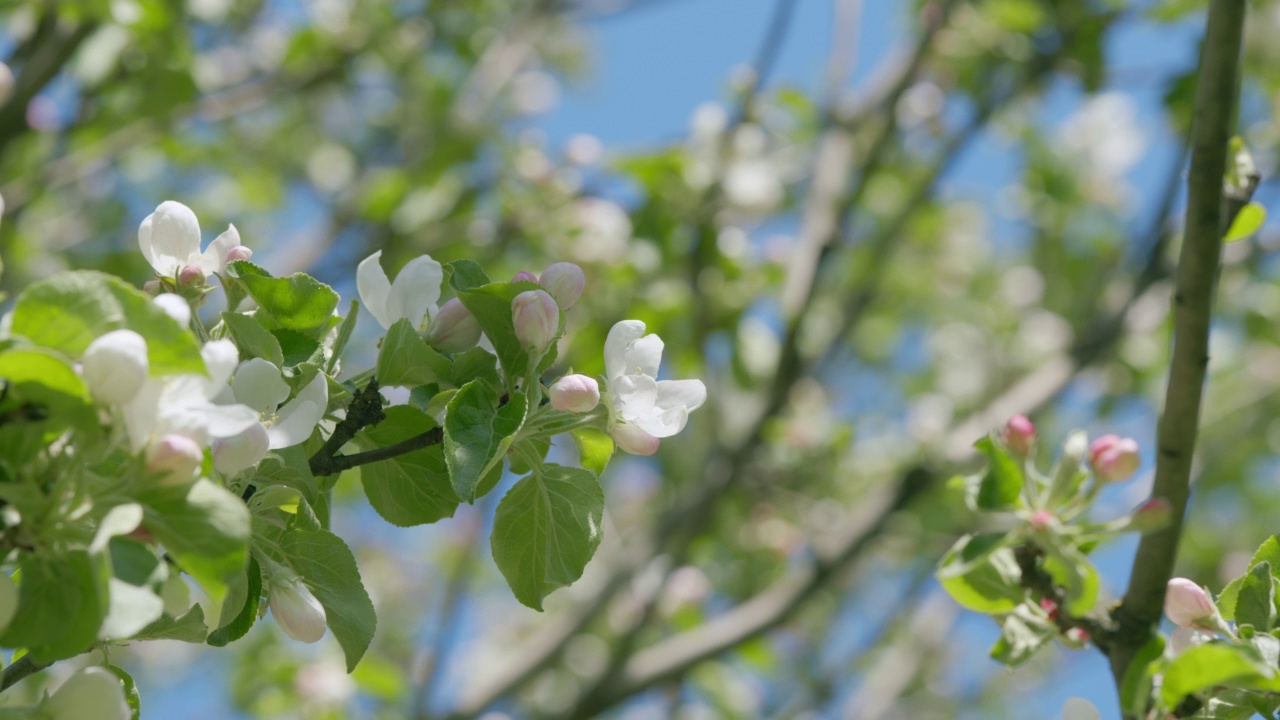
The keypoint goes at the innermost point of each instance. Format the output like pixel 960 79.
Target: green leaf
pixel 240 609
pixel 329 569
pixel 1071 569
pixel 1247 222
pixel 1256 603
pixel 594 448
pixel 414 488
pixel 130 691
pixel 1135 690
pixel 204 527
pixel 189 628
pixel 1268 552
pixel 253 340
pixel 546 529
pixel 297 348
pixel 39 377
pixel 343 337
pixel 1204 666
pixel 490 304
pixel 981 574
pixel 406 359
pixel 68 311
pixel 1002 484
pixel 61 603
pixel 476 364
pixel 477 434
pixel 298 302
pixel 1024 631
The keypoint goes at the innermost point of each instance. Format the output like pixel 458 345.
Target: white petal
pixel 663 423
pixel 259 385
pixel 620 336
pixel 689 394
pixel 644 356
pixel 374 288
pixel 220 358
pixel 175 307
pixel 141 413
pixel 415 290
pixel 214 258
pixel 173 235
pixel 297 426
pixel 634 396
pixel 227 420
pixel 316 391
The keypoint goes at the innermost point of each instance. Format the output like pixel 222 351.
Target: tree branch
pixel 1197 273
pixel 23 668
pixel 365 409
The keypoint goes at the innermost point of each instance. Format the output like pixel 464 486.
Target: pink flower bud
pixel 1019 434
pixel 565 282
pixel 239 252
pixel 115 366
pixel 152 287
pixel 1050 607
pixel 575 393
pixel 191 276
pixel 235 454
pixel 1186 603
pixel 1077 636
pixel 634 440
pixel 94 692
pixel 1113 458
pixel 536 318
pixel 1151 515
pixel 525 276
pixel 297 610
pixel 174 458
pixel 1042 519
pixel 453 329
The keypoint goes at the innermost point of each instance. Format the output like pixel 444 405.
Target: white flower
pixel 259 385
pixel 182 404
pixel 232 455
pixel 170 241
pixel 175 307
pixel 297 611
pixel 93 692
pixel 1185 638
pixel 631 360
pixel 413 295
pixel 115 366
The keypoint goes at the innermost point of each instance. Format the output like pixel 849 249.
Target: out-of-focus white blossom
pixel 115 366
pixel 297 610
pixel 659 408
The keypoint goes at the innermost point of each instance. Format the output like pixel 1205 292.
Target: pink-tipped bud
pixel 453 329
pixel 536 318
pixel 634 440
pixel 191 276
pixel 1019 434
pixel 174 458
pixel 1113 458
pixel 297 611
pixel 565 281
pixel 1042 520
pixel 239 252
pixel 1151 515
pixel 1050 607
pixel 1186 603
pixel 525 276
pixel 575 393
pixel 152 287
pixel 115 366
pixel 235 454
pixel 1077 637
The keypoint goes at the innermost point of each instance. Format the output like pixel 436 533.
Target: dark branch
pixel 18 671
pixel 365 410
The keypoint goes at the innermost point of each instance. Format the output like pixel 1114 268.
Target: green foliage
pixel 410 489
pixel 478 430
pixel 298 302
pixel 406 359
pixel 329 569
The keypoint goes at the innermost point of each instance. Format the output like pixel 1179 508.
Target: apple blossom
pixel 524 276
pixel 634 440
pixel 297 610
pixel 1114 458
pixel 1186 603
pixel 170 241
pixel 115 366
pixel 175 306
pixel 575 393
pixel 636 397
pixel 259 385
pixel 94 692
pixel 411 296
pixel 453 329
pixel 174 458
pixel 191 276
pixel 1185 638
pixel 1019 434
pixel 237 453
pixel 565 281
pixel 536 318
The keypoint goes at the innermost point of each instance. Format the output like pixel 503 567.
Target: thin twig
pixel 365 409
pixel 23 668
pixel 1198 268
